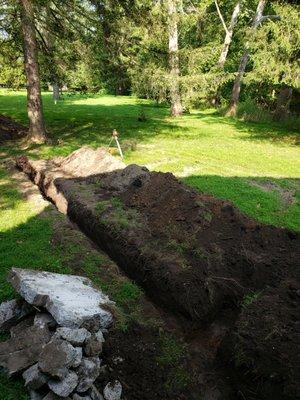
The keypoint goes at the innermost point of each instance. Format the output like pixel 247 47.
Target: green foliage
pixel 250 298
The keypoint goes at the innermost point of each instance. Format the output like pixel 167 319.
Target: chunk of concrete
pixel 113 391
pixel 74 336
pixel 65 386
pixel 34 378
pixel 56 357
pixel 71 300
pixel 93 345
pixel 11 311
pixel 23 350
pixel 88 372
pixel 78 358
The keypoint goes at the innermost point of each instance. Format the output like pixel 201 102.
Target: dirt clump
pixel 10 129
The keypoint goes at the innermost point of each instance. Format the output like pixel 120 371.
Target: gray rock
pixel 74 336
pixel 34 378
pixel 113 391
pixel 65 386
pixel 11 311
pixel 56 357
pixel 78 358
pixel 71 300
pixel 95 394
pixel 45 319
pixel 23 350
pixel 93 345
pixel 88 372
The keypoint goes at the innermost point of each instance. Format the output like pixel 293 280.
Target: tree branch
pixel 221 17
pixel 265 17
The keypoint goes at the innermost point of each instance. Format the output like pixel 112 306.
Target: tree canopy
pixel 122 47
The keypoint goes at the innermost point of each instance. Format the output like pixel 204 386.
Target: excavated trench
pixel 231 281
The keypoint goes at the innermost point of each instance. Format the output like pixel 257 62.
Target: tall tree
pixel 258 17
pixel 228 30
pixel 37 130
pixel 176 106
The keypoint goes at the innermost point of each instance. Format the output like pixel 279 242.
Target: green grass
pixel 215 154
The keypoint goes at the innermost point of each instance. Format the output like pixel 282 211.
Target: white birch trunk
pixel 244 61
pixel 176 106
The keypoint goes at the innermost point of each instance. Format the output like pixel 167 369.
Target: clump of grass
pixel 250 298
pixel 102 206
pixel 118 215
pixel 171 357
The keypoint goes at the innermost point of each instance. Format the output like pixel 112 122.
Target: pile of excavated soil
pixel 198 256
pixel 10 129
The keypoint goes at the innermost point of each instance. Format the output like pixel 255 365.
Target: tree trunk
pixel 34 99
pixel 283 103
pixel 229 34
pixel 244 61
pixel 55 89
pixel 176 106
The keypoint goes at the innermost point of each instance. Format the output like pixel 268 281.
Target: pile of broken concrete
pixel 57 330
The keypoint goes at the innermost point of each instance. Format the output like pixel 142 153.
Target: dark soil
pixel 10 129
pixel 200 258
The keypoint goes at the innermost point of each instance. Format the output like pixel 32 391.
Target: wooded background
pixel 186 53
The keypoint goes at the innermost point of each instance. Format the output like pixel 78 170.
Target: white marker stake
pixel 119 147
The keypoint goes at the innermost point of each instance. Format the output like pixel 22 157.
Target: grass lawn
pixel 256 166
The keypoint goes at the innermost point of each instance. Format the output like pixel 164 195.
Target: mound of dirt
pixel 10 129
pixel 197 256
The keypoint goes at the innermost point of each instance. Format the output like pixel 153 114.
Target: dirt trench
pixel 203 261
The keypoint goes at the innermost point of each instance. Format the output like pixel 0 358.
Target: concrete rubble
pixel 56 336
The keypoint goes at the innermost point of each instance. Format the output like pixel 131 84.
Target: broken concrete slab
pixel 34 378
pixel 23 350
pixel 56 357
pixel 65 386
pixel 113 391
pixel 71 300
pixel 74 336
pixel 88 372
pixel 11 311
